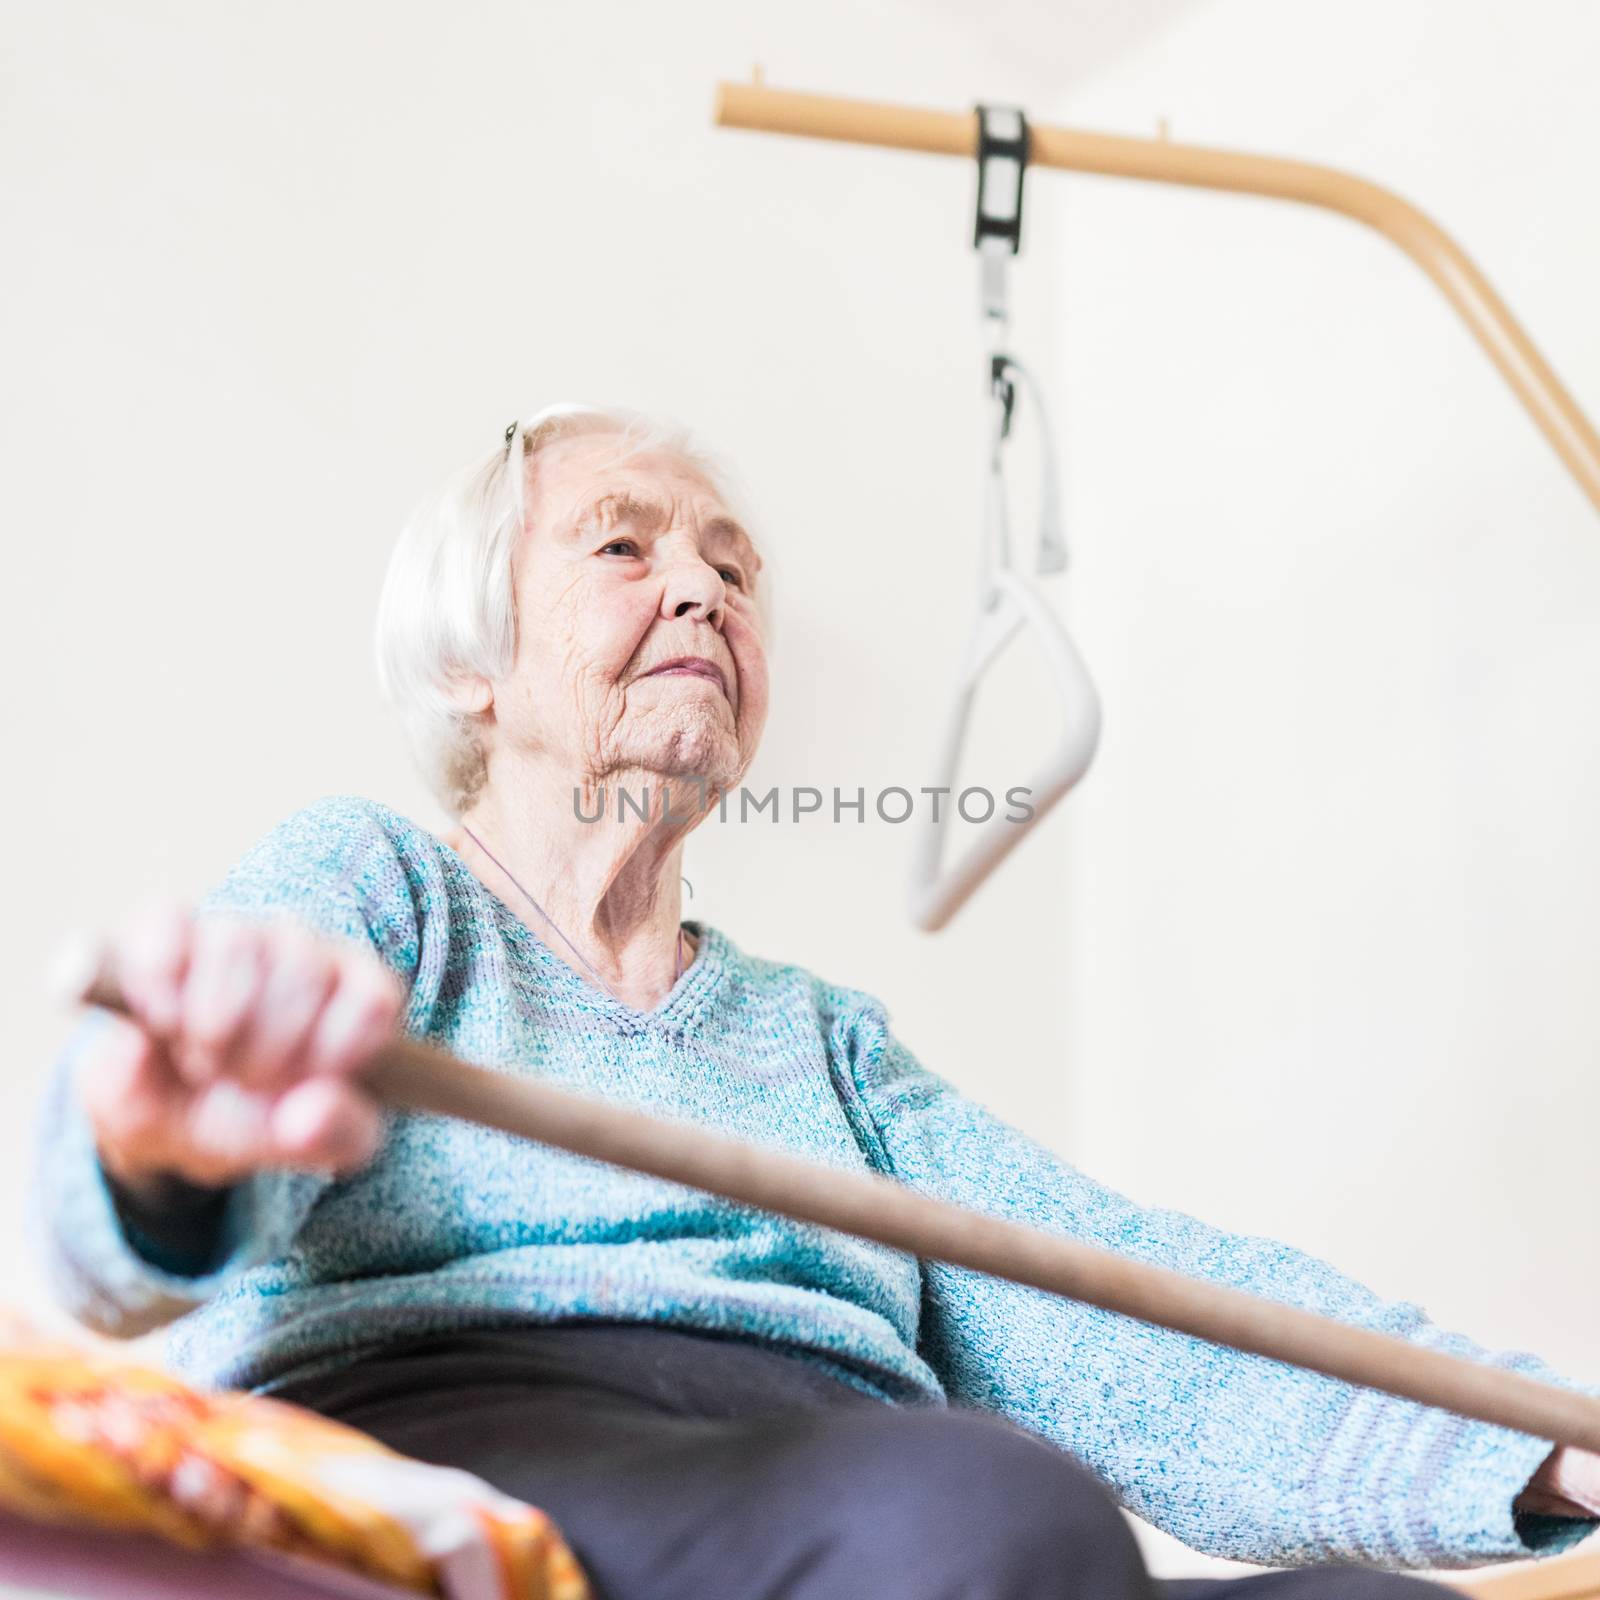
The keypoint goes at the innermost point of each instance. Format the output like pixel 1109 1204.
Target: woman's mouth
pixel 691 667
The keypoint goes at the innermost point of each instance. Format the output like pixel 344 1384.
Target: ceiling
pixel 1054 45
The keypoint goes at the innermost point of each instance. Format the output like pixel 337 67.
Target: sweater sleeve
pixel 1234 1454
pixel 123 1270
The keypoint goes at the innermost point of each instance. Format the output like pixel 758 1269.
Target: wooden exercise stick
pixel 411 1073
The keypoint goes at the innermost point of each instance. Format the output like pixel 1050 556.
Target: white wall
pixel 270 277
pixel 1332 883
pixel 1306 954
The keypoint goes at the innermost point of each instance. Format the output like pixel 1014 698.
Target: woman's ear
pixel 470 693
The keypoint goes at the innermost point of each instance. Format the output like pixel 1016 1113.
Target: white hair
pixel 448 607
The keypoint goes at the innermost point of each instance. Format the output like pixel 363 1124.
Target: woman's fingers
pixel 224 978
pixel 130 1092
pixel 326 1123
pixel 227 1132
pixel 241 1048
pixel 357 1019
pixel 270 1004
pixel 152 961
pixel 1575 1477
pixel 300 974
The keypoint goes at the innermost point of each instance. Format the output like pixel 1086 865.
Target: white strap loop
pixel 1007 602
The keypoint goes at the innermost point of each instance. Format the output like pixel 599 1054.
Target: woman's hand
pixel 243 1050
pixel 1567 1484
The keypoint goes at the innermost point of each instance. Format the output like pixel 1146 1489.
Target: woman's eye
pixel 732 575
pixel 632 548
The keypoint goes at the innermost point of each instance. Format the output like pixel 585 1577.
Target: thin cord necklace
pixel 677 964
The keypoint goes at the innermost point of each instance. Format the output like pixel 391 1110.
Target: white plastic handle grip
pixel 937 895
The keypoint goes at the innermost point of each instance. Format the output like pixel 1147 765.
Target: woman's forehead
pixel 591 488
pixel 582 470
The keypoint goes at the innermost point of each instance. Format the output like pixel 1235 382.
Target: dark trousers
pixel 684 1466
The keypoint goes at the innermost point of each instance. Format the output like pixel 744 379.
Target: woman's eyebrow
pixel 623 505
pixel 730 529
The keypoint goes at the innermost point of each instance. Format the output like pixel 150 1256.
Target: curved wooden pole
pixel 411 1072
pixel 1160 160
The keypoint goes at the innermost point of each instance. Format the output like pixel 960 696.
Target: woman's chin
pixel 695 757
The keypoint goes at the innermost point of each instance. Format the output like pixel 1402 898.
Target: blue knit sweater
pixel 455 1226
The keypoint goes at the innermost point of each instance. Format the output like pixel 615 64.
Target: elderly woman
pixel 711 1401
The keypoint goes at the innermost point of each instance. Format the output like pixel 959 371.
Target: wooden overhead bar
pixel 755 106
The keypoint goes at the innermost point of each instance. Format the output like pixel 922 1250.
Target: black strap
pixel 1004 142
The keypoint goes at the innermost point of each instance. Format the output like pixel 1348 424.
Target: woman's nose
pixel 693 589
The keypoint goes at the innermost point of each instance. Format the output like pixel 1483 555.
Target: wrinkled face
pixel 639 645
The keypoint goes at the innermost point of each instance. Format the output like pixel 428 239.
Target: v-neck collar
pixel 681 1004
